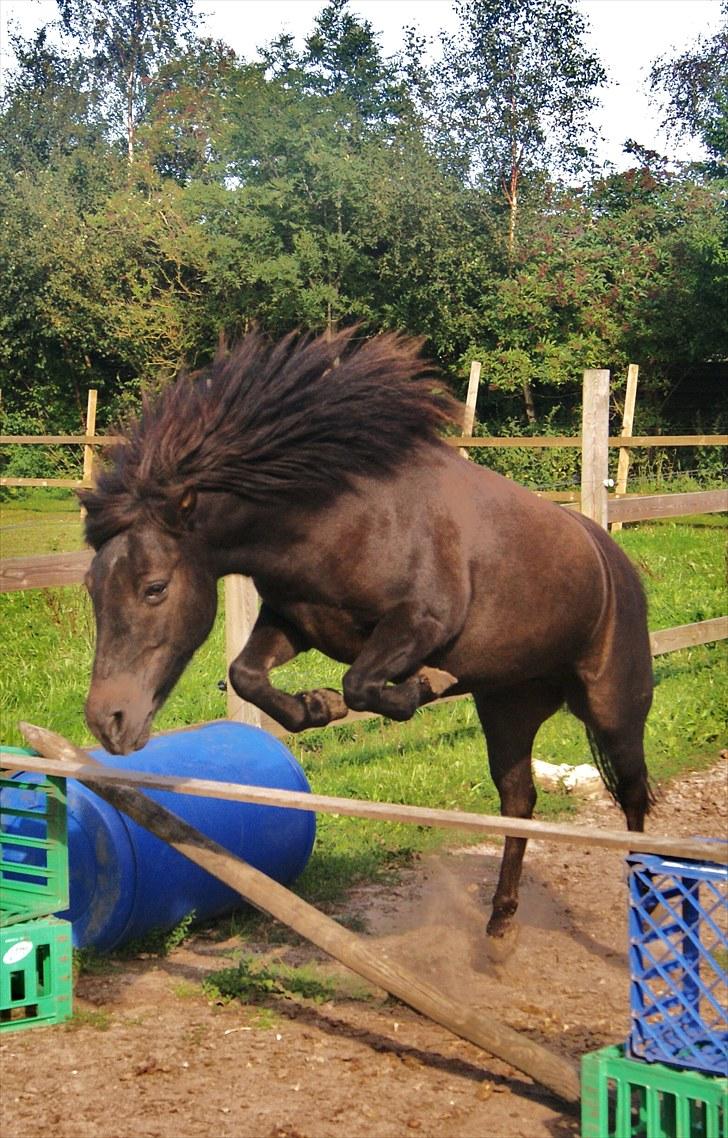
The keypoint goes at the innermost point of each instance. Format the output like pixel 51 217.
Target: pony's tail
pixel 608 772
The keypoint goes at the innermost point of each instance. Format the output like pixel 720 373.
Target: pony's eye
pixel 155 591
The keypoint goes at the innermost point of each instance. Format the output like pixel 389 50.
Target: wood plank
pixel 88 450
pixel 545 441
pixel 59 440
pixel 640 507
pixel 489 825
pixel 594 454
pixel 471 401
pixel 61 483
pixel 537 441
pixel 42 572
pixel 526 441
pixel 669 441
pixel 241 612
pixel 558 1074
pixel 688 635
pixel 630 398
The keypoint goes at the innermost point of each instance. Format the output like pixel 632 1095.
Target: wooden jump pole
pixel 544 1066
pixel 488 825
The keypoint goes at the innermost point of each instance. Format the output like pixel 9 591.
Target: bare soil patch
pixel 151 1056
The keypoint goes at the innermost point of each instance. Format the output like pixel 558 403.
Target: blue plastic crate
pixel 678 931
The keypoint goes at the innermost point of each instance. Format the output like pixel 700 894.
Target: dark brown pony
pixel 317 468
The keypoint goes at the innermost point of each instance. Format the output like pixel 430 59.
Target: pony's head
pixel 154 598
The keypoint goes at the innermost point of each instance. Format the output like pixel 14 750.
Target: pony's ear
pixel 180 508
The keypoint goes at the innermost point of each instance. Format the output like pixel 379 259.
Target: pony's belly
pixel 512 656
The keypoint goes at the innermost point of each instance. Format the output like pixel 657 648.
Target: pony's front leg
pixel 272 642
pixel 397 647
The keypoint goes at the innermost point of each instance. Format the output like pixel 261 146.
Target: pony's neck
pixel 240 536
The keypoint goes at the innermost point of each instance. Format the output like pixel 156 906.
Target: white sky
pixel 628 35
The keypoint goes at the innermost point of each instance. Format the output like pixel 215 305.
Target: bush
pixel 555 468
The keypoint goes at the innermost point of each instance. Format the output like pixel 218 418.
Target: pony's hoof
pixel 323 705
pixel 435 682
pixel 499 946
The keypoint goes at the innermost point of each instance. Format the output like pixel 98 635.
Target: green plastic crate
pixel 33 846
pixel 36 973
pixel 627 1098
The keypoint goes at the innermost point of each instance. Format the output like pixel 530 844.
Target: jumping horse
pixel 319 467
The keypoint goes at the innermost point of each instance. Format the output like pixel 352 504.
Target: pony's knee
pixel 359 693
pixel 245 680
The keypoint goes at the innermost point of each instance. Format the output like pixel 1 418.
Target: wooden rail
pixel 688 635
pixel 489 825
pixel 88 441
pixel 44 571
pixel 56 483
pixel 532 441
pixel 51 570
pixel 641 507
pixel 60 440
pixel 545 441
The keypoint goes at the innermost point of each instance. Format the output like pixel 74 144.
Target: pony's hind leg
pixel 510 721
pixel 614 717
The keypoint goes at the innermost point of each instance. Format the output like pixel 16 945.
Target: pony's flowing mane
pixel 285 423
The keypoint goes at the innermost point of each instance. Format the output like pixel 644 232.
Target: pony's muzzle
pixel 120 724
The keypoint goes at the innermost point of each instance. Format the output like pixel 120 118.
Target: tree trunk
pixel 130 119
pixel 512 199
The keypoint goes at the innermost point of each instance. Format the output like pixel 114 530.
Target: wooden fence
pixel 594 500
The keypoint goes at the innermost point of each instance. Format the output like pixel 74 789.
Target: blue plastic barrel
pixel 125 882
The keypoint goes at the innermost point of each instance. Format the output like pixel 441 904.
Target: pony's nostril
pixel 116 724
pixel 114 728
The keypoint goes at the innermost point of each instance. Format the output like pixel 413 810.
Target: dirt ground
pixel 153 1057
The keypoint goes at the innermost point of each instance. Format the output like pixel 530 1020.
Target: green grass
pixel 437 759
pixel 40 523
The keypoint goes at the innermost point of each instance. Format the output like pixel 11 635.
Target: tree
pixel 300 129
pixel 341 59
pixel 516 85
pixel 512 97
pixel 182 132
pixel 695 90
pixel 50 108
pixel 129 41
pixel 629 269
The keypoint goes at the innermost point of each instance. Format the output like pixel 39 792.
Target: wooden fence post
pixel 88 451
pixel 627 425
pixel 595 445
pixel 241 613
pixel 470 403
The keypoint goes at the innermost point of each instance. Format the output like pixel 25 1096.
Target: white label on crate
pixel 18 952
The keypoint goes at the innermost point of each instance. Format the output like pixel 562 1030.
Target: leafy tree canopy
pixel 694 86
